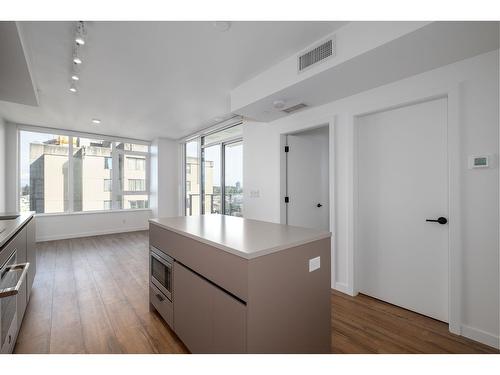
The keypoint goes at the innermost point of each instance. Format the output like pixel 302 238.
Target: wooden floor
pixel 91 296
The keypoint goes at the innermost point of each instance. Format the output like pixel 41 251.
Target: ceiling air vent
pixel 319 53
pixel 295 108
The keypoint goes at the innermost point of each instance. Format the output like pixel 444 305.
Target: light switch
pixel 254 193
pixel 314 264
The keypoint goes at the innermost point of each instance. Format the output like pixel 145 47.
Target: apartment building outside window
pixel 62 173
pixel 214 173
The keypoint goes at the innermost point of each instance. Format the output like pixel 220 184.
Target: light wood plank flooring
pixel 91 296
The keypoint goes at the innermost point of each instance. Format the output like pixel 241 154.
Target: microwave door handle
pixel 12 291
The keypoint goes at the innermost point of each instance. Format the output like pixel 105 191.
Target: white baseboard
pixel 89 234
pixel 342 287
pixel 481 336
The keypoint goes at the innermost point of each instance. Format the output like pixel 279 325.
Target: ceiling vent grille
pixel 319 53
pixel 295 108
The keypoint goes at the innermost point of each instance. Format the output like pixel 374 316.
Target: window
pixel 136 184
pixel 132 178
pixel 136 164
pixel 138 204
pixel 43 175
pixel 65 173
pixel 233 185
pixel 192 184
pixel 108 163
pixel 211 179
pixel 92 181
pixel 221 175
pixel 107 185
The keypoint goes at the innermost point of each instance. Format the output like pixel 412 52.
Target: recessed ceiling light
pixel 79 40
pixel 96 121
pixel 74 77
pixel 72 89
pixel 77 60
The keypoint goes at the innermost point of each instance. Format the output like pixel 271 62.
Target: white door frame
pixel 454 240
pixel 309 125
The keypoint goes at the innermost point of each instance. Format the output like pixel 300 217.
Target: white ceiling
pixel 150 79
pixel 16 84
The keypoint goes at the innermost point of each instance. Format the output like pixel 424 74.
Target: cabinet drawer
pixel 206 318
pixel 161 304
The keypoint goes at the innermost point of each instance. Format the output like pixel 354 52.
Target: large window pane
pixel 233 185
pixel 192 178
pixel 212 186
pixel 43 172
pixel 92 174
pixel 132 178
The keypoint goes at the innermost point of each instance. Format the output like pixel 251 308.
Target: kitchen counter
pixel 245 238
pixel 9 227
pixel 232 285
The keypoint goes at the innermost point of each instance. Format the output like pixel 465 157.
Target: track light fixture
pixel 80 33
pixel 80 40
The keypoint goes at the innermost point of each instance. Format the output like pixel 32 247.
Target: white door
pixel 402 181
pixel 308 179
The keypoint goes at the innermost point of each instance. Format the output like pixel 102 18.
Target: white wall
pixel 56 227
pixel 165 178
pixel 477 79
pixel 2 165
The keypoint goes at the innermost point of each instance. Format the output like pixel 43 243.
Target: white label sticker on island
pixel 314 264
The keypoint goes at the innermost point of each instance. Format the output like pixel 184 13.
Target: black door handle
pixel 319 205
pixel 441 220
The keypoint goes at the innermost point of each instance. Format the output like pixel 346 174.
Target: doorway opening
pixel 307 178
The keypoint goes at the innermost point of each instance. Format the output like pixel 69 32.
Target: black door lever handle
pixel 441 220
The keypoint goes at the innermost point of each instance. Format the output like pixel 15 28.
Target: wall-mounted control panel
pixel 480 161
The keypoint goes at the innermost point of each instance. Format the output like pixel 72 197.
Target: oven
pixel 161 271
pixel 11 279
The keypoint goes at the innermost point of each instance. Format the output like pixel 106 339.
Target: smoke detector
pixel 279 104
pixel 222 25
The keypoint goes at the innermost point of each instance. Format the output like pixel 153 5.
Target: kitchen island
pixel 232 285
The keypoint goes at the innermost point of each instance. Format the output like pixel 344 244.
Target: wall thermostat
pixel 479 161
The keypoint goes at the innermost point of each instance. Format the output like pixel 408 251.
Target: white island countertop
pixel 242 237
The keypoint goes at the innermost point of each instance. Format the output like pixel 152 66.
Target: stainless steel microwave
pixel 161 266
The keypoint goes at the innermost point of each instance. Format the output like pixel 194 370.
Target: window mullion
pixel 70 175
pixel 115 172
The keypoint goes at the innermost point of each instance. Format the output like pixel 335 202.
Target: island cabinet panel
pixel 207 319
pixel 289 305
pixel 224 269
